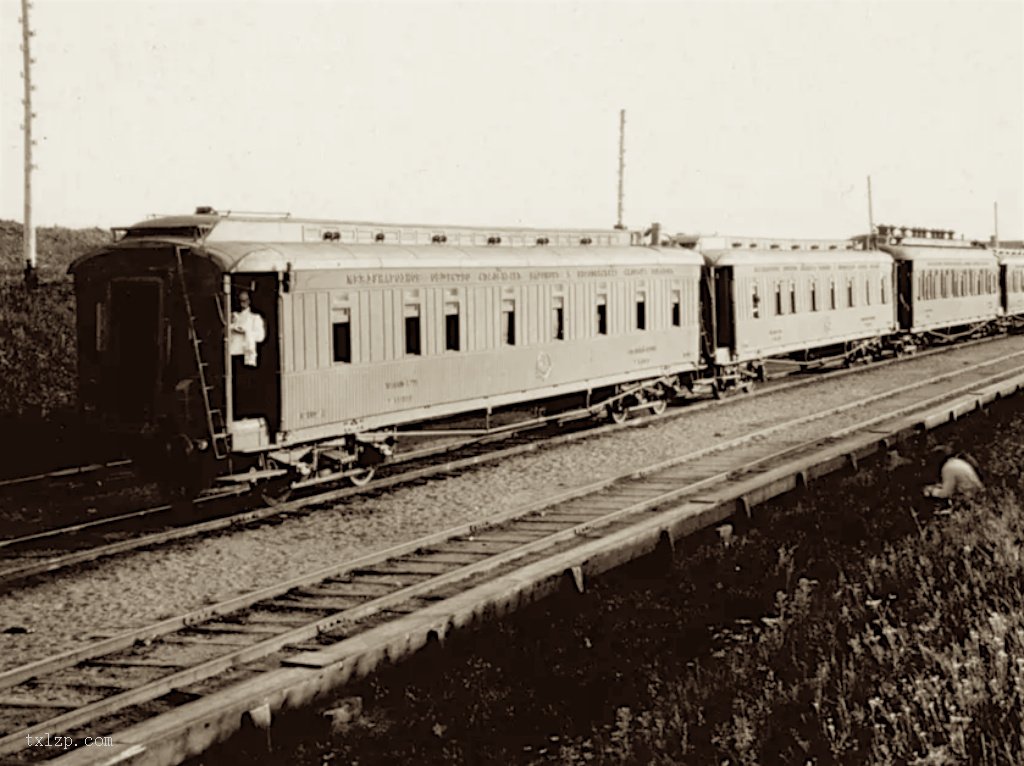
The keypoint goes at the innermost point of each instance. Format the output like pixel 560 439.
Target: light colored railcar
pixel 1011 281
pixel 374 336
pixel 947 287
pixel 796 299
pixel 368 328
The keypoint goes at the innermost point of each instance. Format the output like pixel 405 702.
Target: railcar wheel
pixel 617 413
pixel 362 477
pixel 276 495
pixel 274 491
pixel 658 406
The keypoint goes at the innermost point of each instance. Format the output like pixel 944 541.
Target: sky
pixel 755 118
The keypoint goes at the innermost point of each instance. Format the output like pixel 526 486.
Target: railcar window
pixel 832 293
pixel 602 315
pixel 867 292
pixel 881 284
pixel 814 295
pixel 451 326
pixel 413 345
pixel 849 292
pixel 641 312
pixel 755 301
pixel 558 317
pixel 508 321
pixel 341 333
pixel 778 298
pixel 792 297
pixel 677 307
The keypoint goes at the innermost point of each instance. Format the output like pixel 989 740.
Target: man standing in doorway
pixel 247 332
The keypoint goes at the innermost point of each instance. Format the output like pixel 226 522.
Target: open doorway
pixel 255 349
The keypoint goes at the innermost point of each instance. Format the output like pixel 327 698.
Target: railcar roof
pixel 249 257
pixel 937 252
pixel 1009 255
pixel 767 257
pixel 255 227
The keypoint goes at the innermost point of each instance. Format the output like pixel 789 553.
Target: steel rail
pixel 62 473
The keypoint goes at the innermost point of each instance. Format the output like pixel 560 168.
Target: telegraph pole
pixel 871 219
pixel 995 236
pixel 622 163
pixel 29 233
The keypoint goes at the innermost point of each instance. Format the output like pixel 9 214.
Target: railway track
pixel 64 473
pixel 352 616
pixel 778 371
pixel 54 550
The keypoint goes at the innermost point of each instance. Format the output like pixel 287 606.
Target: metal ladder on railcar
pixel 215 424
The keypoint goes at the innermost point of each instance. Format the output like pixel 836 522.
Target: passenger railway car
pixel 1011 280
pixel 798 299
pixel 945 285
pixel 368 329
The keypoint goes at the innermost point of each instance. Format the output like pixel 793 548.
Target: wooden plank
pixel 30 702
pixel 413 567
pixel 132 663
pixel 321 603
pixel 459 558
pixel 239 628
pixel 475 547
pixel 275 618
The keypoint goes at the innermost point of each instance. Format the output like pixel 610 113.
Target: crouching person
pixel 959 476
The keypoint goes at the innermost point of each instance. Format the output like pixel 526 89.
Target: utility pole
pixel 622 163
pixel 995 237
pixel 871 219
pixel 29 233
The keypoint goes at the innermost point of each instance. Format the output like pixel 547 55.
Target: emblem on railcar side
pixel 543 365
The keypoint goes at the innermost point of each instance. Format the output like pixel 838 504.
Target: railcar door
pixel 136 346
pixel 1004 298
pixel 725 309
pixel 905 294
pixel 256 375
pixel 707 315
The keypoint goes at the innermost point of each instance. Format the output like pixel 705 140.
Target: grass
pixel 38 354
pixel 856 626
